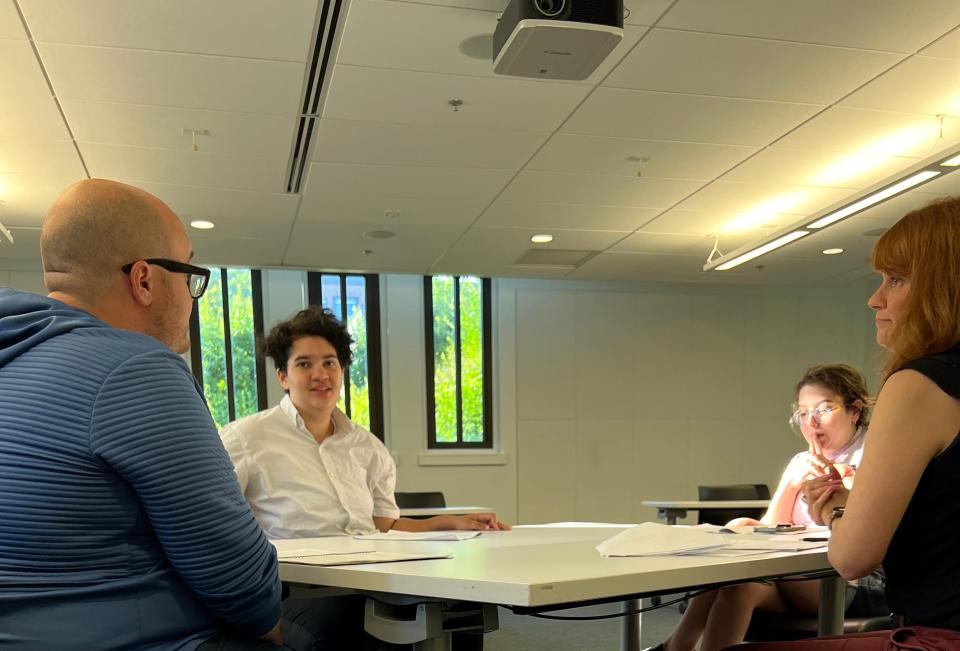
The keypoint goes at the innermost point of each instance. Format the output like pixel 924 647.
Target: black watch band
pixel 837 512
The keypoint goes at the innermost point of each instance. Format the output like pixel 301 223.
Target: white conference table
pixel 443 510
pixel 540 568
pixel 673 509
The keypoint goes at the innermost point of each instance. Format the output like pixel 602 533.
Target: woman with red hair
pixel 904 512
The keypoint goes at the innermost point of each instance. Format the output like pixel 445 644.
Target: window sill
pixel 461 459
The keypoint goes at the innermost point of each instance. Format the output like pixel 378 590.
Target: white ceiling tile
pixel 759 204
pixel 217 203
pixel 379 95
pixel 174 79
pixel 565 216
pixel 404 36
pixel 25 197
pixel 44 159
pixel 275 227
pixel 804 167
pixel 180 167
pixel 700 229
pixel 645 12
pixel 162 127
pixel 34 114
pixel 638 267
pixel 491 251
pixel 918 85
pixel 732 66
pixel 222 251
pixel 19 69
pixel 405 182
pixel 387 213
pixel 480 5
pixel 554 187
pixel 665 243
pixel 240 28
pixel 947 47
pixel 689 118
pixel 891 25
pixel 566 152
pixel 10 25
pixel 873 132
pixel 378 143
pixel 339 247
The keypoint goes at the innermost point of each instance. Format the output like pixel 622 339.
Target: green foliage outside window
pixel 242 348
pixel 445 361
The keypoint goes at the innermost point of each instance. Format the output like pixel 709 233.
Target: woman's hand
pixel 471 522
pixel 822 494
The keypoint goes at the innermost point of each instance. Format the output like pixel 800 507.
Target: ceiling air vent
pixel 320 64
pixel 564 258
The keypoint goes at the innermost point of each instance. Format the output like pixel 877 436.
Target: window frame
pixel 371 288
pixel 486 330
pixel 196 345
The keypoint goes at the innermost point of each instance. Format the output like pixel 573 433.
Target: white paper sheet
pixel 652 539
pixel 310 556
pixel 419 535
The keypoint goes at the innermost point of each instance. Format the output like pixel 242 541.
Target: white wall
pixel 28 281
pixel 607 394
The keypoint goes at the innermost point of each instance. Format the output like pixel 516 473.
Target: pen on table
pixel 815 539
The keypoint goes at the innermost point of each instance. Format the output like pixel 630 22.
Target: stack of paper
pixel 419 535
pixel 310 556
pixel 652 539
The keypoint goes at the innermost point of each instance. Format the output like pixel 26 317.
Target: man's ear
pixel 282 379
pixel 143 281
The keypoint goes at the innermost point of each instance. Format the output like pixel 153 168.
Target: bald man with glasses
pixel 121 522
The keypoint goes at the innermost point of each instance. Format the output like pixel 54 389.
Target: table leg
pixel 833 592
pixel 630 626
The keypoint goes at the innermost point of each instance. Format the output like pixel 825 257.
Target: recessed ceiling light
pixel 202 224
pixel 543 238
pixel 378 235
pixel 836 251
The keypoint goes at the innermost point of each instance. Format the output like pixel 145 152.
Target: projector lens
pixel 550 8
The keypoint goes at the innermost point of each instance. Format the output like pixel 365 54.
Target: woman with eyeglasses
pixel 831 412
pixel 904 512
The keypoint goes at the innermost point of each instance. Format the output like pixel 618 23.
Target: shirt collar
pixel 341 424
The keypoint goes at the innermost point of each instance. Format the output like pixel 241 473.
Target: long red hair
pixel 924 246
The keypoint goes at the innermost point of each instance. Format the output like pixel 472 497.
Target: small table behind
pixel 429 512
pixel 673 509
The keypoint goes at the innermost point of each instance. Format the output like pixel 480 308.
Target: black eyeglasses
pixel 197 277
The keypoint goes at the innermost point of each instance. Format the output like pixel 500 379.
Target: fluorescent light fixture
pixel 542 239
pixel 202 224
pixel 951 162
pixel 7 234
pixel 836 251
pixel 874 198
pixel 760 250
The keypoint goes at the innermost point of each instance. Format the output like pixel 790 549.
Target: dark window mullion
pixel 374 371
pixel 432 441
pixel 458 361
pixel 343 320
pixel 227 347
pixel 196 346
pixel 486 343
pixel 256 295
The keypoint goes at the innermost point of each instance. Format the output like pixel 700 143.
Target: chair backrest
pixel 424 500
pixel 731 492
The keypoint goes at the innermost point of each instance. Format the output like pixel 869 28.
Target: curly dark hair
pixel 844 380
pixel 314 321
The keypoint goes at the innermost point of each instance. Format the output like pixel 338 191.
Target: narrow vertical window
pixel 224 326
pixel 457 315
pixel 355 300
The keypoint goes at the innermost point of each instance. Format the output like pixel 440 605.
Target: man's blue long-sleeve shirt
pixel 121 522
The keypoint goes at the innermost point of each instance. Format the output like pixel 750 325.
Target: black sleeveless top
pixel 923 560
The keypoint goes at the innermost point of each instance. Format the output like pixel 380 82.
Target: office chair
pixel 731 492
pixel 422 500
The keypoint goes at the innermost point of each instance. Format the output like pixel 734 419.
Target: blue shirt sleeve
pixel 151 425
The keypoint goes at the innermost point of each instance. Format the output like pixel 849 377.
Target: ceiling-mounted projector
pixel 556 39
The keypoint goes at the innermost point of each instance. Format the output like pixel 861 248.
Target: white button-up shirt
pixel 299 489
